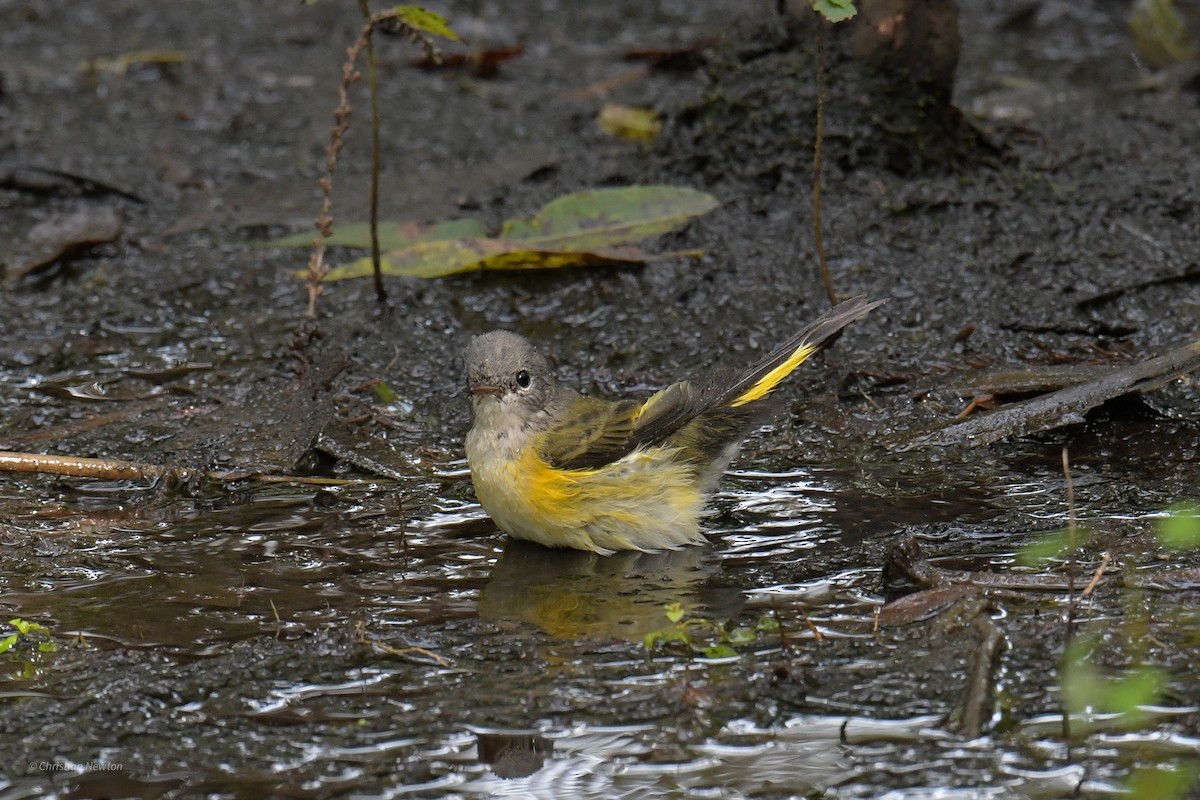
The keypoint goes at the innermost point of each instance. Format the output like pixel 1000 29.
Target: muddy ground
pixel 382 639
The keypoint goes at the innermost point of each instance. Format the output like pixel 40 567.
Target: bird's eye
pixel 523 379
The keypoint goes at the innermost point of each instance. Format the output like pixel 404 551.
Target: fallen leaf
pixel 67 235
pixel 1160 33
pixel 483 63
pixel 629 123
pixel 426 21
pixel 610 216
pixel 1064 407
pixel 686 57
pixel 119 65
pixel 835 10
pixel 439 259
pixel 584 229
pixel 392 235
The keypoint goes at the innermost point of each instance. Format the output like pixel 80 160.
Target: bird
pixel 567 470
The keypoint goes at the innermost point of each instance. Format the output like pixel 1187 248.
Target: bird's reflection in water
pixel 574 594
pixel 513 755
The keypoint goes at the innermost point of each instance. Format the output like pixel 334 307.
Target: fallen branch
pixel 977 704
pixel 117 470
pixel 76 467
pixel 1064 407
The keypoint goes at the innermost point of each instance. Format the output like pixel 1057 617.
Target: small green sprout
pixel 704 636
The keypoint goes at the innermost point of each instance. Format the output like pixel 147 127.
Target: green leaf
pixel 719 651
pixel 26 627
pixel 674 612
pixel 441 259
pixel 47 647
pixel 1141 687
pixel 384 393
pixel 605 217
pixel 1181 529
pixel 392 235
pixel 8 641
pixel 664 635
pixel 426 21
pixel 629 123
pixel 742 635
pixel 1162 781
pixel 587 228
pixel 835 10
pixel 1160 33
pixel 1043 549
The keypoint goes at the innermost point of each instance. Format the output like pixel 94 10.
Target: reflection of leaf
pixel 674 612
pixel 587 228
pixel 426 21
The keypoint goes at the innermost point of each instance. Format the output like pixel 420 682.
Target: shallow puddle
pixel 308 642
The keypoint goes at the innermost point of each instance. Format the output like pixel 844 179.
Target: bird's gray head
pixel 504 369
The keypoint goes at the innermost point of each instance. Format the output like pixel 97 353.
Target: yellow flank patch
pixel 645 501
pixel 549 492
pixel 767 382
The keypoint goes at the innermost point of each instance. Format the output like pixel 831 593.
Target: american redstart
pixel 567 470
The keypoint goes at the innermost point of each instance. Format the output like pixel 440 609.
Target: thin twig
pixel 392 20
pixel 373 85
pixel 1070 631
pixel 817 635
pixel 816 193
pixel 1096 576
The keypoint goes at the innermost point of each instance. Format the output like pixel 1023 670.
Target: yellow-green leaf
pixel 384 393
pixel 583 229
pixel 1181 529
pixel 1045 548
pixel 440 259
pixel 719 651
pixel 426 21
pixel 392 235
pixel 602 217
pixel 1160 33
pixel 630 123
pixel 835 10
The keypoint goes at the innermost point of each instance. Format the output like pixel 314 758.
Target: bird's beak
pixel 486 388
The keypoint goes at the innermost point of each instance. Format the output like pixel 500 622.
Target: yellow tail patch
pixel 767 382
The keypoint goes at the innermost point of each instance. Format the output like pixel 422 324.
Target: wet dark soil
pixel 380 638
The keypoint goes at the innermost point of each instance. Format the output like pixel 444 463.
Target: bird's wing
pixel 600 432
pixel 596 432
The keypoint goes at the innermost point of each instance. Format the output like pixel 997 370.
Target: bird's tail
pixel 759 379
